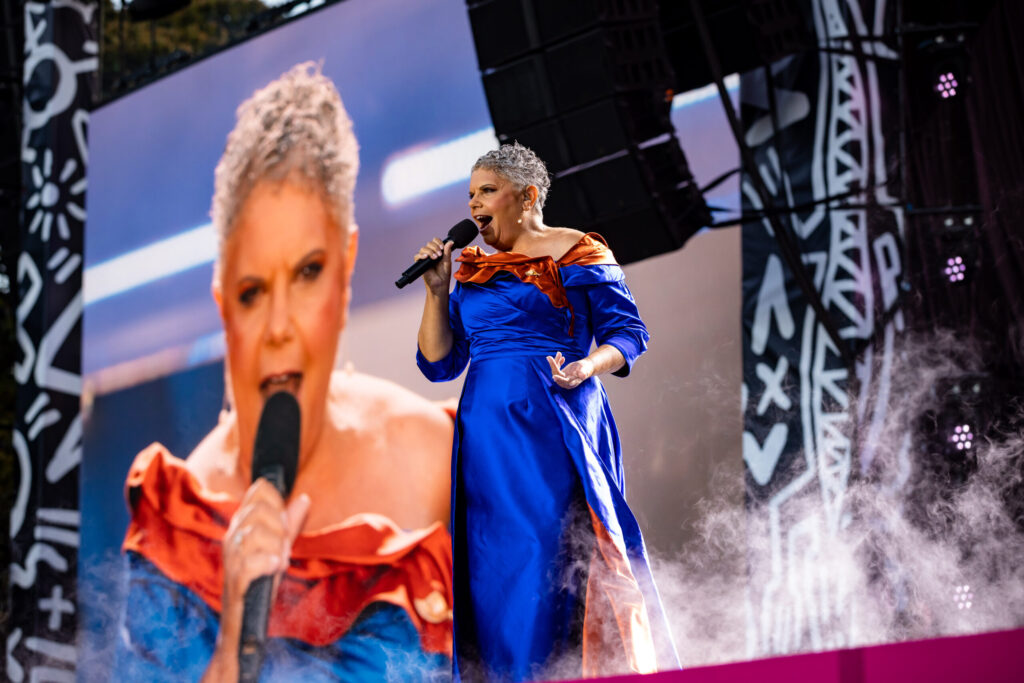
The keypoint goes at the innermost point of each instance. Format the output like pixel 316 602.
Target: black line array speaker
pixel 586 84
pixel 740 43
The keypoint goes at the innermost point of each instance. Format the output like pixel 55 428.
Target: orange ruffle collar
pixel 479 267
pixel 334 572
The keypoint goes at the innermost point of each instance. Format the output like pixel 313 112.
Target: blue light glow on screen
pixel 407 72
pixel 409 79
pixel 410 82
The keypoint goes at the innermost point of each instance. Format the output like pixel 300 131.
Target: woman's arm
pixel 620 334
pixel 435 335
pixel 603 359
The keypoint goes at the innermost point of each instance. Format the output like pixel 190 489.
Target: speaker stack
pixel 587 85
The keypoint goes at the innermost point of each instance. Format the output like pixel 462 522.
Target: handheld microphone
pixel 275 457
pixel 461 234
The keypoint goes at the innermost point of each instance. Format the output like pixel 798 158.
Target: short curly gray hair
pixel 521 166
pixel 295 124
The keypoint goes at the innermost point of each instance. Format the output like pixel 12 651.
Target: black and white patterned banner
pixel 61 60
pixel 837 136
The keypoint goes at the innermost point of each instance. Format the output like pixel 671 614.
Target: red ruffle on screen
pixel 334 572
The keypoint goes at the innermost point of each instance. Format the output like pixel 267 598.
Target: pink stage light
pixel 963 597
pixel 962 437
pixel 947 85
pixel 955 268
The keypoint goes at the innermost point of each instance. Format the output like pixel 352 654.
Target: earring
pixel 525 209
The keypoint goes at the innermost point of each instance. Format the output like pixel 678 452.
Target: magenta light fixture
pixel 955 268
pixel 962 437
pixel 947 85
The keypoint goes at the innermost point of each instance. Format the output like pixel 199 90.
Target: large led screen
pixel 154 343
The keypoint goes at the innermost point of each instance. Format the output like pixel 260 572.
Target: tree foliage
pixel 135 53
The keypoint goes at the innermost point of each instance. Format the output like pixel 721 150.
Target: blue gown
pixel 550 571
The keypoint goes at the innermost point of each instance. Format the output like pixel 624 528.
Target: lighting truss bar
pixel 931 210
pixel 783 235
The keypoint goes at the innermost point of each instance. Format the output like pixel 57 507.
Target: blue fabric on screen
pixel 168 634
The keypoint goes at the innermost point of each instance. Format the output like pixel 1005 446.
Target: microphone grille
pixel 462 233
pixel 277 440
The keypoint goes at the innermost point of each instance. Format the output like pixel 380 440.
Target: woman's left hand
pixel 573 374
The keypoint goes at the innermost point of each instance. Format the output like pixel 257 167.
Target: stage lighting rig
pixel 948 435
pixel 962 437
pixel 963 596
pixel 958 249
pixel 942 60
pixel 949 70
pixel 947 85
pixel 955 269
pixel 951 431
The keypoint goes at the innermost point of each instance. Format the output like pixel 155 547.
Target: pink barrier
pixel 985 658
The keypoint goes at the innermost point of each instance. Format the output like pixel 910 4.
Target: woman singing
pixel 550 571
pixel 359 551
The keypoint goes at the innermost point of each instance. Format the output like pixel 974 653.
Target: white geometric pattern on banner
pixel 798 606
pixel 61 59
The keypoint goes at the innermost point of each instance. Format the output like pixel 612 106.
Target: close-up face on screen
pixel 393 340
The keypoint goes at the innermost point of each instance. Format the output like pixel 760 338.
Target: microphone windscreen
pixel 275 455
pixel 462 233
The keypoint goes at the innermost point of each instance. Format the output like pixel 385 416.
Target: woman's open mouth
pixel 282 381
pixel 483 220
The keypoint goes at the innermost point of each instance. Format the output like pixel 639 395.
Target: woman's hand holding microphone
pixel 437 279
pixel 257 543
pixel 435 337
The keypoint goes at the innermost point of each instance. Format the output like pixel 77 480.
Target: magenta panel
pixel 987 657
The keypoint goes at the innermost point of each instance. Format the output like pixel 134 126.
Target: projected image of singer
pixel 550 573
pixel 359 551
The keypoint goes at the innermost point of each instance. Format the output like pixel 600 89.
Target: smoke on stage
pixel 921 553
pixel 919 556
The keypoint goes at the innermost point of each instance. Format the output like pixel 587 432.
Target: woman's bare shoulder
pixel 213 462
pixel 562 240
pixel 377 400
pixel 571 233
pixel 398 442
